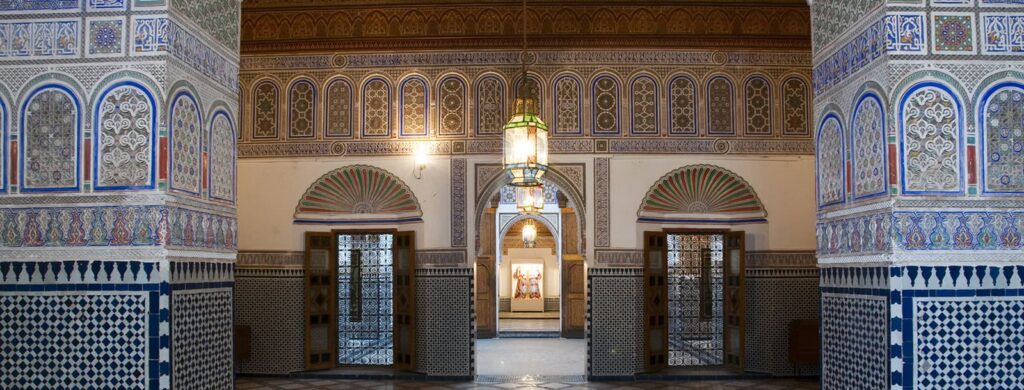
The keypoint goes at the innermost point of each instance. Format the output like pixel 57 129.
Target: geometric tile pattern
pixel 953 33
pixel 969 343
pixel 1002 119
pixel 186 144
pixel 222 157
pixel 831 166
pixel 272 307
pixel 772 302
pixel 87 340
pixel 869 147
pixel 202 339
pixel 615 323
pixel 855 342
pixel 444 322
pixel 106 37
pixel 50 127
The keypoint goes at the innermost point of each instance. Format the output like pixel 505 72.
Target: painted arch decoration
pixel 358 194
pixel 701 194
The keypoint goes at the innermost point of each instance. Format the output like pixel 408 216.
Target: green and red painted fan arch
pixel 358 194
pixel 701 194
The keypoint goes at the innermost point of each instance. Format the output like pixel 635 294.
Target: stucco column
pixel 920 188
pixel 117 194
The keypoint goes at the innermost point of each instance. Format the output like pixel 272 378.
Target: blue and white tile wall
pixel 944 237
pixel 91 231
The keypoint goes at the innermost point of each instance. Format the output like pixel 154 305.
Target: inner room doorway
pixel 536 291
pixel 694 300
pixel 360 300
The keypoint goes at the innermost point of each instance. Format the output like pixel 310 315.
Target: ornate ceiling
pixel 402 25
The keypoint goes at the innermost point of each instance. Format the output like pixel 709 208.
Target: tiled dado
pixel 445 322
pixel 942 326
pixel 614 322
pixel 121 310
pixel 780 287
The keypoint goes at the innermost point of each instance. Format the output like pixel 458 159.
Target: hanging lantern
pixel 529 234
pixel 530 199
pixel 525 144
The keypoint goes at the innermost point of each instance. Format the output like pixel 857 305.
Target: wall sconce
pixel 420 157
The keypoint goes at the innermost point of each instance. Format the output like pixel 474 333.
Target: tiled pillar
pixel 920 189
pixel 117 210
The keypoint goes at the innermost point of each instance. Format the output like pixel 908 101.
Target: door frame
pixel 333 336
pixel 499 237
pixel 653 365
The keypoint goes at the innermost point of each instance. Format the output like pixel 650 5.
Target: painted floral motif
pixel 339 109
pixel 376 108
pixel 222 158
pixel 414 107
pixel 830 162
pixel 683 106
pixel 720 106
pixel 701 189
pixel 868 148
pixel 453 107
pixel 645 106
pixel 302 100
pixel 185 145
pixel 794 100
pixel 356 190
pixel 124 136
pixel 1004 141
pixel 931 141
pixel 606 106
pixel 51 141
pixel 758 107
pixel 490 95
pixel 567 106
pixel 265 110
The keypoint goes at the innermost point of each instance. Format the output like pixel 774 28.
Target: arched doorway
pixel 571 226
pixel 540 335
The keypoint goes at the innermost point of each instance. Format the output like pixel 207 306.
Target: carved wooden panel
pixel 321 306
pixel 574 307
pixel 734 305
pixel 404 301
pixel 486 326
pixel 655 301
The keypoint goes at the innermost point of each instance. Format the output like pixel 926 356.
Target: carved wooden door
pixel 404 301
pixel 734 305
pixel 321 306
pixel 655 301
pixel 486 326
pixel 574 306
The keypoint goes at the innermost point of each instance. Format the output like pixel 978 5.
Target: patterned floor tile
pixel 252 383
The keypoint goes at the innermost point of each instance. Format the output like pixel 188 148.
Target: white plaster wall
pixel 269 190
pixel 784 184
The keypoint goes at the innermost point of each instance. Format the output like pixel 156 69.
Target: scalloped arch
pixel 701 193
pixel 358 194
